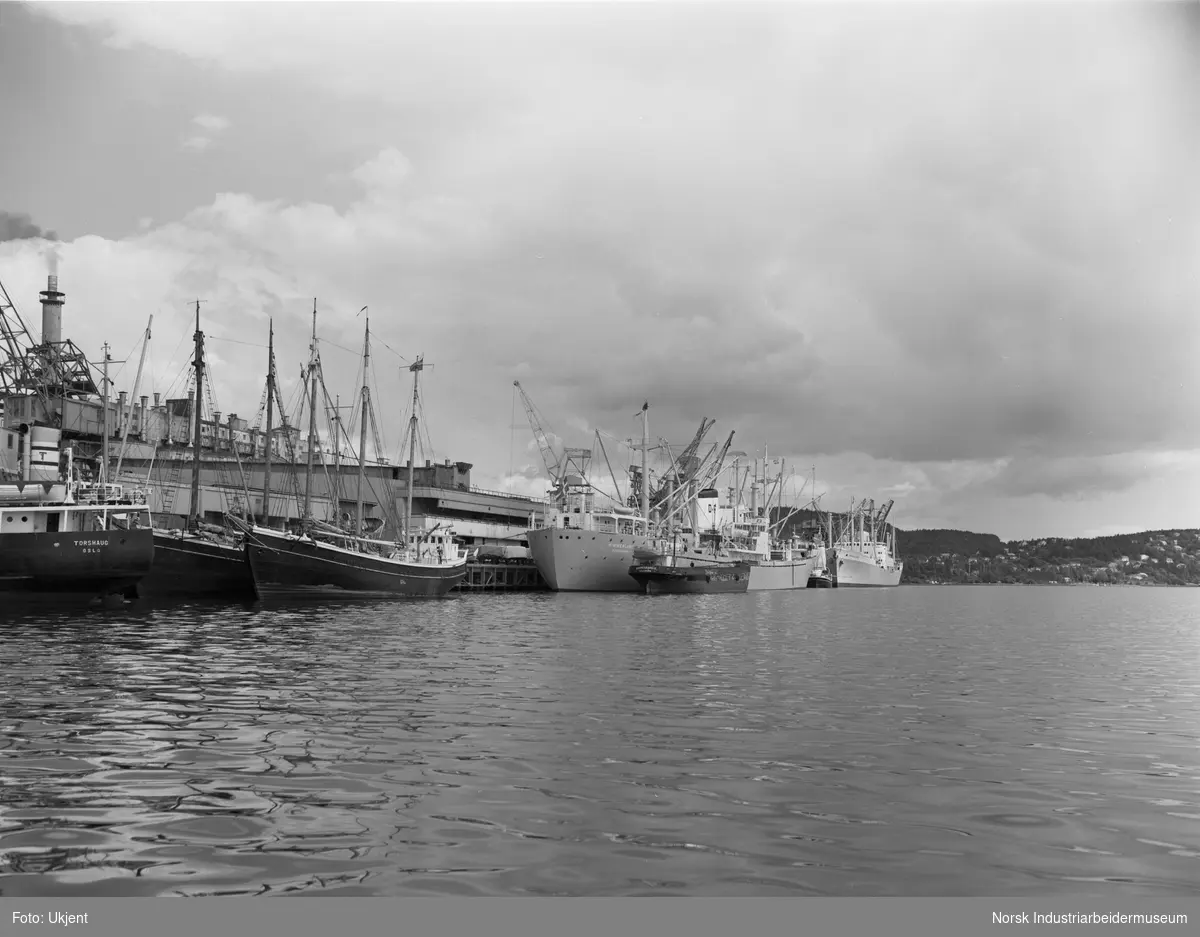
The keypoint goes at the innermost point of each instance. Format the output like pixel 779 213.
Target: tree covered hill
pixel 1167 557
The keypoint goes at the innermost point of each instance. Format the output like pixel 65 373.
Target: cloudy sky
pixel 948 254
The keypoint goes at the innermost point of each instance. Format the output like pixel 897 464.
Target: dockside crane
pixel 17 344
pixel 552 462
pixel 51 370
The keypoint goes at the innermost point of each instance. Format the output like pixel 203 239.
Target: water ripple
pixel 919 741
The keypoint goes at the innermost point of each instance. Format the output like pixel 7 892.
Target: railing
pixel 93 493
pixel 476 490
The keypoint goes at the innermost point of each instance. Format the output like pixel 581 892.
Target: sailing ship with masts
pixel 66 532
pixel 199 559
pixel 322 558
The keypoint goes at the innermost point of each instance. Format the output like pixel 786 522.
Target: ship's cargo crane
pixel 715 469
pixel 685 467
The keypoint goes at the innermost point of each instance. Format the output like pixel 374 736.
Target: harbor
pixel 555 450
pixel 233 509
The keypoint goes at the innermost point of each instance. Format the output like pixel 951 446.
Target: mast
pixel 336 431
pixel 194 507
pixel 645 447
pixel 781 484
pixel 312 417
pixel 266 501
pixel 733 492
pixel 129 416
pixel 362 430
pixel 415 367
pixel 104 429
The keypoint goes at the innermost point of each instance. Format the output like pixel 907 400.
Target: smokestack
pixel 156 397
pixel 52 303
pixel 142 421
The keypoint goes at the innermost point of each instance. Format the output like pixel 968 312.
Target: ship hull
pixel 194 566
pixel 776 575
pixel 583 560
pixel 852 572
pixel 691 580
pixel 76 566
pixel 283 565
pixel 820 581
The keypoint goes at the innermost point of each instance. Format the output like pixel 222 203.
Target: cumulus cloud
pixel 958 240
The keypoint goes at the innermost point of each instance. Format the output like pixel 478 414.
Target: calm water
pixel 919 741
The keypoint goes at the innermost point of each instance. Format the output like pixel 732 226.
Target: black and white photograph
pixel 600 450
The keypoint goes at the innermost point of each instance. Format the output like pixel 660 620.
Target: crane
pixel 715 469
pixel 685 467
pixel 17 344
pixel 50 370
pixel 552 462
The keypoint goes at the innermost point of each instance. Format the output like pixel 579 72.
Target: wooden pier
pixel 502 575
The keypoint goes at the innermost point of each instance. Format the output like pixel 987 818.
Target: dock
pixel 502 575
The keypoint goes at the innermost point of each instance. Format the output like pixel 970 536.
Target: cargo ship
pixel 66 534
pixel 71 541
pixel 585 546
pixel 864 550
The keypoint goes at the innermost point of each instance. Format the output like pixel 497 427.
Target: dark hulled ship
pixel 669 579
pixel 200 560
pixel 315 564
pixel 323 559
pixel 65 533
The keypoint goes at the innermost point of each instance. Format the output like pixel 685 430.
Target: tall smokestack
pixel 52 303
pixel 142 421
pixel 156 396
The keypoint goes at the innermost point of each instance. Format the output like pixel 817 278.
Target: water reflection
pixel 915 741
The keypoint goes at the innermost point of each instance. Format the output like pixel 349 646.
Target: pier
pixel 502 575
